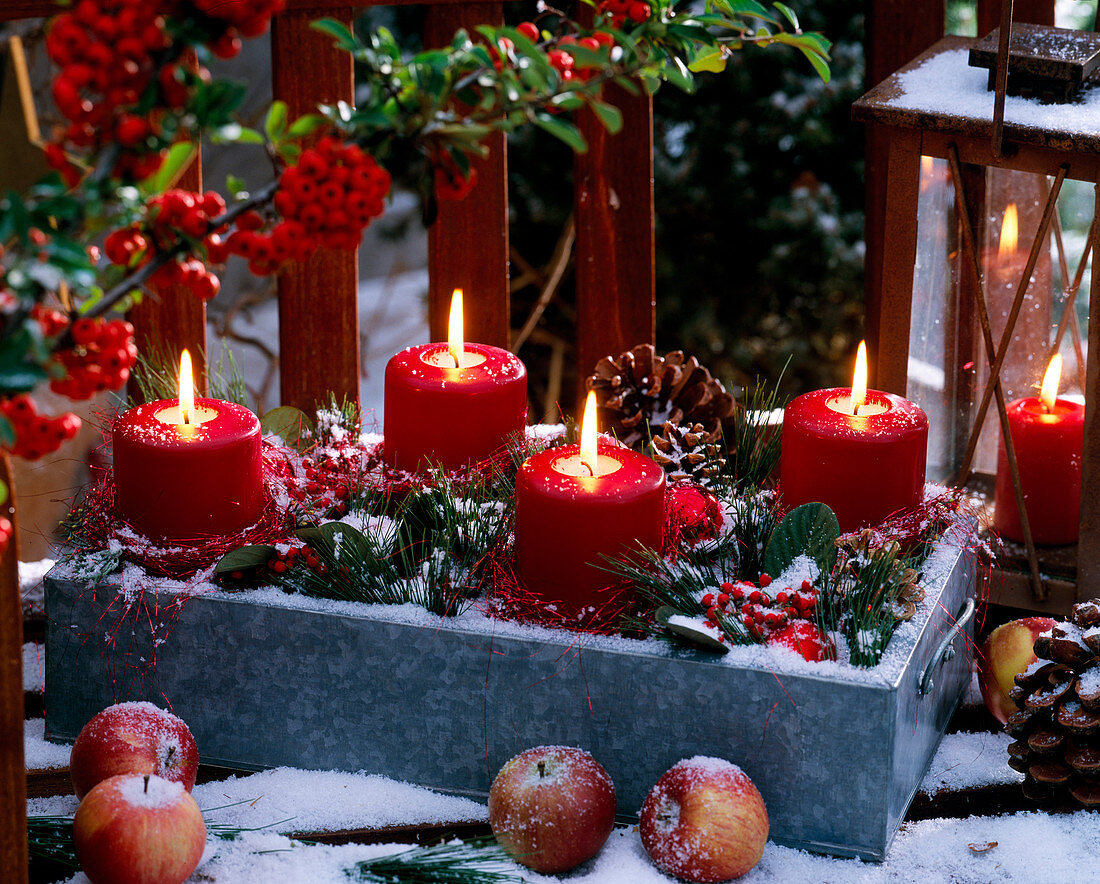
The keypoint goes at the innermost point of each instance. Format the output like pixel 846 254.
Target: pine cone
pixel 1057 727
pixel 686 453
pixel 639 389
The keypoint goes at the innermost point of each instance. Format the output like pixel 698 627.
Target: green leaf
pixel 811 530
pixel 678 75
pixel 338 31
pixel 275 124
pixel 609 115
pixel 746 7
pixel 818 63
pixel 7 439
pixel 788 13
pixel 710 58
pixel 291 425
pixel 697 635
pixel 245 558
pixel 562 130
pixel 336 536
pixel 305 125
pixel 236 187
pixel 179 155
pixel 235 133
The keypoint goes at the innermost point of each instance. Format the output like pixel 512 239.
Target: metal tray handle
pixel 946 650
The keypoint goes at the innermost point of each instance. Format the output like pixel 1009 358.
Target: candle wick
pixel 591 471
pixel 458 361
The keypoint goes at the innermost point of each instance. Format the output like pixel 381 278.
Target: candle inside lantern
pixel 861 452
pixel 577 504
pixel 1048 437
pixel 187 468
pixel 453 403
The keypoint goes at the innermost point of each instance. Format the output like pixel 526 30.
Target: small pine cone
pixel 686 453
pixel 1057 727
pixel 638 389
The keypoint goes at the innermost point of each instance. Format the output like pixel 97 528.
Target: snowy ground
pixel 1024 847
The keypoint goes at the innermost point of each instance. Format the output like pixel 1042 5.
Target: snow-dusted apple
pixel 704 821
pixel 552 807
pixel 138 829
pixel 133 738
pixel 1007 651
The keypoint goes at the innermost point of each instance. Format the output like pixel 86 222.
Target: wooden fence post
pixel 13 778
pixel 318 298
pixel 468 243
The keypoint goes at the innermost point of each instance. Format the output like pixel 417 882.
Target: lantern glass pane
pixel 949 370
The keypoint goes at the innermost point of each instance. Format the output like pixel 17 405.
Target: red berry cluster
pixel 174 214
pixel 106 50
pixel 327 485
pixel 6 530
pixel 622 11
pixel 52 322
pixel 36 434
pixel 101 358
pixel 759 612
pixel 326 200
pixel 566 65
pixel 305 555
pixel 450 183
pixel 246 18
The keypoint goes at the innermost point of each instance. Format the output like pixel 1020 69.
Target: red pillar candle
pixel 1048 436
pixel 439 414
pixel 864 466
pixel 178 478
pixel 567 519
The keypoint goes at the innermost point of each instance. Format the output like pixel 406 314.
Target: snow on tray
pixel 946 84
pixel 37 752
pixel 1022 847
pixel 966 760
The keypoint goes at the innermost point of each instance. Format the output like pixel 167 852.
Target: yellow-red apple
pixel 552 807
pixel 704 821
pixel 133 738
pixel 138 829
pixel 1007 651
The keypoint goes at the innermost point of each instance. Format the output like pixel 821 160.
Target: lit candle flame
pixel 859 379
pixel 1010 232
pixel 187 388
pixel 1048 395
pixel 454 332
pixel 588 434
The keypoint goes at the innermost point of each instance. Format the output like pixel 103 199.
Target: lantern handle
pixel 1001 82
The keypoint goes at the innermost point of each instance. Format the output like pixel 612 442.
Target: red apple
pixel 805 638
pixel 138 829
pixel 552 807
pixel 704 821
pixel 133 738
pixel 1007 651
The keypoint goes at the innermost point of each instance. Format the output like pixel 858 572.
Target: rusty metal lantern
pixel 962 328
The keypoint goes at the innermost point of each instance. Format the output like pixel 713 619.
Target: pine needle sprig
pixel 50 838
pixel 750 522
pixel 858 600
pixel 753 439
pixel 478 861
pixel 156 374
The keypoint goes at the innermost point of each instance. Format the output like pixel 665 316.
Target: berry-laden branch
pixel 136 98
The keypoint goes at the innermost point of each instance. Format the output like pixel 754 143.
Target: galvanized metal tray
pixel 837 759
